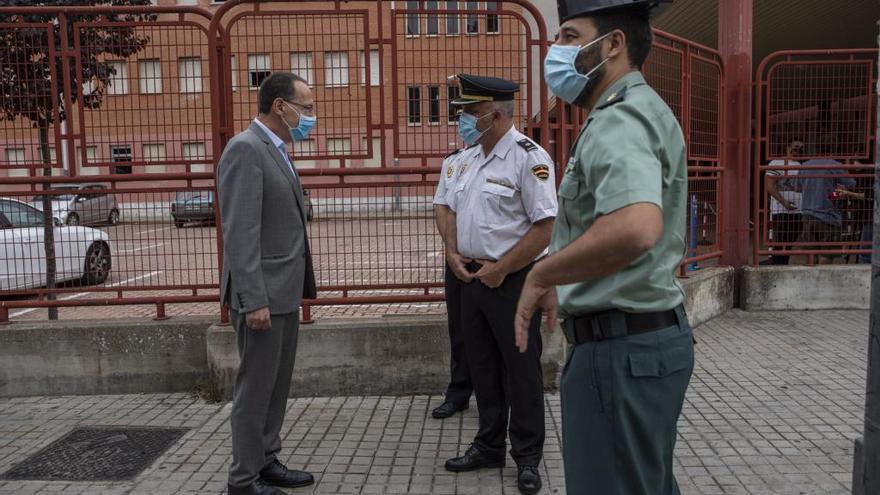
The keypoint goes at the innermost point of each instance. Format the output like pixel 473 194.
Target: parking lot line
pixel 81 294
pixel 142 248
pixel 151 231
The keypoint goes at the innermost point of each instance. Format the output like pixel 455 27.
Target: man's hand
pixel 534 296
pixel 789 206
pixel 456 263
pixel 259 319
pixel 491 274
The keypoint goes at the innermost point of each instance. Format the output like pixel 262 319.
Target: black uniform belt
pixel 473 266
pixel 600 326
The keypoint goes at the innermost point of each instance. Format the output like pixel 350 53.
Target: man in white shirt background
pixel 785 202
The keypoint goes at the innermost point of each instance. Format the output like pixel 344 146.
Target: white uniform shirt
pixel 794 197
pixel 498 197
pixel 447 176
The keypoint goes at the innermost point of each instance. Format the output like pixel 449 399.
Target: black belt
pixel 599 326
pixel 473 266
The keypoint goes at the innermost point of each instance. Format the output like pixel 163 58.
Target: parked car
pixel 82 204
pixel 198 206
pixel 192 206
pixel 81 253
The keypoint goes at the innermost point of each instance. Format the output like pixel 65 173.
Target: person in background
pixel 821 188
pixel 785 203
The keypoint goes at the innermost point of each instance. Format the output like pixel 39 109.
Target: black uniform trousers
pixel 507 383
pixel 460 387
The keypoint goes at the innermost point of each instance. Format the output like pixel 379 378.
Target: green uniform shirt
pixel 630 150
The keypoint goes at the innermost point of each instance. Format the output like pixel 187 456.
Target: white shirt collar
pixel 277 141
pixel 502 147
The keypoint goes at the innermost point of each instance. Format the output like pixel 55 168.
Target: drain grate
pixel 97 454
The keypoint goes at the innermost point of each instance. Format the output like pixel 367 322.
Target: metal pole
pixel 866 468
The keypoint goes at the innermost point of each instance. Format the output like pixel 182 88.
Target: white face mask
pixel 560 73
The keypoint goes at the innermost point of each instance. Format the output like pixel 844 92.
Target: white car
pixel 81 253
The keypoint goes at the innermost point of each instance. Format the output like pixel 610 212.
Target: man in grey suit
pixel 267 271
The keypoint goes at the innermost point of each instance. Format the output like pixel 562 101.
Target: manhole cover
pixel 97 454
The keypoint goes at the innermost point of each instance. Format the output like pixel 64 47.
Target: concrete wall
pixel 393 355
pixel 88 357
pixel 774 288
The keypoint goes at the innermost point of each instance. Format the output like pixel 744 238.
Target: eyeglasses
pixel 307 108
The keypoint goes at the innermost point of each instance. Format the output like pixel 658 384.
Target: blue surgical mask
pixel 305 126
pixel 562 76
pixel 467 128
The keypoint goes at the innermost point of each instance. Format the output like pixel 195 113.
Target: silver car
pixel 81 204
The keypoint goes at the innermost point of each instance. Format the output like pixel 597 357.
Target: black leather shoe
pixel 255 488
pixel 528 480
pixel 474 459
pixel 447 409
pixel 277 474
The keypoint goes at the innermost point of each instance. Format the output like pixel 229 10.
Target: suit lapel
pixel 282 164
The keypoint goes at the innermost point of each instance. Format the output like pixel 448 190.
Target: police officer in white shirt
pixel 458 392
pixel 502 204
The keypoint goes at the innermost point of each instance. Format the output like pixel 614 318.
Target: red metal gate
pixel 822 101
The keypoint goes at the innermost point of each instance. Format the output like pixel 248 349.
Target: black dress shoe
pixel 255 488
pixel 447 409
pixel 474 459
pixel 528 480
pixel 277 474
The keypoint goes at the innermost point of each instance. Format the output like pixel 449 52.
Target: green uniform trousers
pixel 621 399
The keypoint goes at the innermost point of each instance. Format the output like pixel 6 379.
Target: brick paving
pixel 773 408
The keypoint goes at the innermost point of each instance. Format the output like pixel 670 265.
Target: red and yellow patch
pixel 542 172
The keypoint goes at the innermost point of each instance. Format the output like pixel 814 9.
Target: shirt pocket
pixel 493 198
pixel 569 187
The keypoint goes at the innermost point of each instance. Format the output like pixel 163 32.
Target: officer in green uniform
pixel 617 241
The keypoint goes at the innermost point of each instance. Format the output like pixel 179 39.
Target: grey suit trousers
pixel 261 389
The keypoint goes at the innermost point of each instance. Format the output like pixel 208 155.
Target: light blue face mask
pixel 467 128
pixel 562 76
pixel 305 126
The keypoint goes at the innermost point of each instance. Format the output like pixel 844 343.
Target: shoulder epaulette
pixel 613 98
pixel 527 144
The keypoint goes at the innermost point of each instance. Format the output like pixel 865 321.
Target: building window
pixel 452 93
pixel 335 69
pixel 118 84
pixel 412 20
pixel 374 68
pixel 434 105
pixel 121 154
pixel 154 153
pixel 190 72
pixel 302 148
pixel 432 21
pixel 338 146
pixel 452 23
pixel 187 2
pixel 258 69
pixel 193 152
pixel 14 156
pixel 52 154
pixel 414 105
pixel 473 20
pixel 493 22
pixel 301 64
pixel 150 76
pixel 233 67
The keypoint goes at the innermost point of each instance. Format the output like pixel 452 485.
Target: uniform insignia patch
pixel 527 144
pixel 450 171
pixel 463 169
pixel 542 172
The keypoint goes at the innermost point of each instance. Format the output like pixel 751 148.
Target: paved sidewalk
pixel 773 408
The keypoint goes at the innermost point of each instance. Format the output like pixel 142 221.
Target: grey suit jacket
pixel 266 259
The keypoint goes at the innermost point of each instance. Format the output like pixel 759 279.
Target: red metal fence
pixel 815 122
pixel 141 101
pixel 688 77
